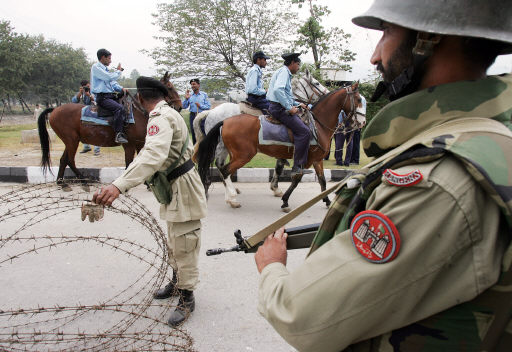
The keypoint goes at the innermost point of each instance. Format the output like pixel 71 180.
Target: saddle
pixel 248 108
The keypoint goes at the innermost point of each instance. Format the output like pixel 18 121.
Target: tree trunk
pixel 9 103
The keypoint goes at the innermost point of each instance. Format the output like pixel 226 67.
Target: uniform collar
pixel 156 110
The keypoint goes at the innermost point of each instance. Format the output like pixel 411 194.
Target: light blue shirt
pixel 201 98
pixel 103 81
pixel 341 116
pixel 84 99
pixel 280 88
pixel 253 82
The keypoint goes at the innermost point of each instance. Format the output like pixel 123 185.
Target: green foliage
pixel 329 47
pixel 45 70
pixel 217 38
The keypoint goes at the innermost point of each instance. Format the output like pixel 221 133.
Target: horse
pixel 305 88
pixel 239 134
pixel 65 122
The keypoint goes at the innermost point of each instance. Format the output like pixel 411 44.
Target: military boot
pixel 186 305
pixel 168 291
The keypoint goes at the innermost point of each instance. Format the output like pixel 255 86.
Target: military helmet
pixel 489 19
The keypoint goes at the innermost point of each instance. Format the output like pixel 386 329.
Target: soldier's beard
pixel 400 60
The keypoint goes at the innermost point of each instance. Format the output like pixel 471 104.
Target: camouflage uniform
pixel 454 225
pixel 166 133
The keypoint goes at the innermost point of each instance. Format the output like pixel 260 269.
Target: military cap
pixel 144 83
pixel 259 54
pixel 290 56
pixel 194 80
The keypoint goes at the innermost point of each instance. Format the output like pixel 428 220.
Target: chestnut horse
pixel 65 122
pixel 240 136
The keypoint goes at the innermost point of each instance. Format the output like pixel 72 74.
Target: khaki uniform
pixel 453 240
pixel 167 132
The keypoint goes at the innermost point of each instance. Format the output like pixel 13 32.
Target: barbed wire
pixel 41 227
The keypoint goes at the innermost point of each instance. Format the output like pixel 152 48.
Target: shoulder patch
pixel 152 130
pixel 375 236
pixel 154 113
pixel 406 180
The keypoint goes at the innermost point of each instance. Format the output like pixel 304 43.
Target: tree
pixel 217 38
pixel 329 47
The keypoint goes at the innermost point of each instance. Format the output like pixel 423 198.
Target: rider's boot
pixel 298 170
pixel 121 138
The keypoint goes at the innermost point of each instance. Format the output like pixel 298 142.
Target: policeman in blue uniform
pixel 256 94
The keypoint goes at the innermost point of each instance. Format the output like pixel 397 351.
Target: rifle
pixel 298 237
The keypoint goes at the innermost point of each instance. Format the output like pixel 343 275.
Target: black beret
pixel 290 56
pixel 259 54
pixel 194 80
pixel 151 83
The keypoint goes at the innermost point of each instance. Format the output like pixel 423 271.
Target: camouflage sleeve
pixel 337 297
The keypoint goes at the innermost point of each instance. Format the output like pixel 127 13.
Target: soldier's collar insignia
pixel 375 236
pixel 406 180
pixel 152 130
pixel 154 113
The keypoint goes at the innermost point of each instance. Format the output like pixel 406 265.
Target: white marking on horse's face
pixel 307 89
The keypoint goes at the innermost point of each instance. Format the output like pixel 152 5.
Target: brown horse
pixel 240 136
pixel 65 122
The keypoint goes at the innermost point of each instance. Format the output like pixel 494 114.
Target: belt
pixel 180 170
pixel 256 96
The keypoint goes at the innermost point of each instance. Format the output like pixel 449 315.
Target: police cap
pixel 194 80
pixel 290 56
pixel 146 83
pixel 258 55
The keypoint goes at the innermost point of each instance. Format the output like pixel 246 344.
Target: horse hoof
pixel 328 203
pixel 286 209
pixel 66 188
pixel 238 191
pixel 277 193
pixel 234 204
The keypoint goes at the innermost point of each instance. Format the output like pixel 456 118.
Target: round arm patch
pixel 152 130
pixel 375 236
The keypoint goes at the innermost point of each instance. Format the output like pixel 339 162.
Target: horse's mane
pixel 323 97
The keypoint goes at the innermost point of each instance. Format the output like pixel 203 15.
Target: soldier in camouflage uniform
pixel 414 254
pixel 167 135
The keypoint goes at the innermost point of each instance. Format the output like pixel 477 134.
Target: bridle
pixel 316 93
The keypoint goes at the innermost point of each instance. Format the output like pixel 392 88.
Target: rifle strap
pixel 263 233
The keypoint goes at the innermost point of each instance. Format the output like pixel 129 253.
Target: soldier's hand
pixel 119 67
pixel 198 105
pixel 187 94
pixel 273 250
pixel 106 195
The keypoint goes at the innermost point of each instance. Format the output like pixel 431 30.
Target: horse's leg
pixel 274 184
pixel 230 191
pixel 319 169
pixel 60 176
pixel 129 153
pixel 71 151
pixel 295 181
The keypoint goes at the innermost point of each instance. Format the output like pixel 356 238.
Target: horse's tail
pixel 44 139
pixel 206 153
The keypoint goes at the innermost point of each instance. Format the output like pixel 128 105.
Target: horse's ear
pixel 166 76
pixel 307 73
pixel 355 85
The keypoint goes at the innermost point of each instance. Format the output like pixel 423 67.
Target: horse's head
pixel 307 89
pixel 173 98
pixel 351 104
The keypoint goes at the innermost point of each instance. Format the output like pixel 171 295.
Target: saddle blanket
pixel 272 134
pixel 92 117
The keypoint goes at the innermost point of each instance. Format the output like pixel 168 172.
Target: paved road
pixel 226 318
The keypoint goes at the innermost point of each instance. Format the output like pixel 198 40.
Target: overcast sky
pixel 125 26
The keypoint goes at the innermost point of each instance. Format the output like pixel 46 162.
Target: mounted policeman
pixel 415 251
